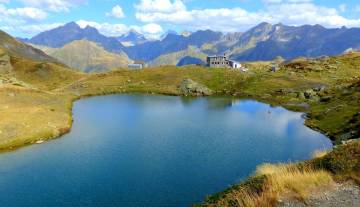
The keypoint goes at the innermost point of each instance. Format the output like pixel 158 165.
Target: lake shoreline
pixel 66 129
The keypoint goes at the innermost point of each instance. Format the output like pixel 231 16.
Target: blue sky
pixel 26 18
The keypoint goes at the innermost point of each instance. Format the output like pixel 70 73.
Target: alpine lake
pixel 154 151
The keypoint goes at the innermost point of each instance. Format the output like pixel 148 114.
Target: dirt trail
pixel 70 84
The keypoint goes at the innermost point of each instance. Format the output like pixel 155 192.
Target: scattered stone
pixel 341 195
pixel 301 95
pixel 319 88
pixel 325 98
pixel 309 94
pixel 274 68
pixel 191 88
pixel 39 142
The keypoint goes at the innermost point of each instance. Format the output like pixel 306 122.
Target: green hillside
pixel 174 58
pixel 87 56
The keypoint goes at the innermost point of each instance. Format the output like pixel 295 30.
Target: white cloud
pixel 116 12
pixel 105 28
pixel 152 31
pixel 291 12
pixel 53 5
pixel 31 29
pixel 165 6
pixel 27 13
pixel 24 15
pixel 152 28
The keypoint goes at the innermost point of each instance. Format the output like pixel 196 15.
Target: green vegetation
pixel 175 57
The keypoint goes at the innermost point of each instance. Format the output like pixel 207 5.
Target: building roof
pixel 215 56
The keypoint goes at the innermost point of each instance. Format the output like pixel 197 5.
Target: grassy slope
pixel 87 56
pixel 338 116
pixel 16 48
pixel 30 110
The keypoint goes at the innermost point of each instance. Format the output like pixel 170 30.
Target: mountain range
pixel 70 32
pixel 261 43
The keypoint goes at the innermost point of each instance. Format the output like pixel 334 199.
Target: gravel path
pixel 342 195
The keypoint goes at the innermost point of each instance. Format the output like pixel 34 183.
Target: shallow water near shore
pixel 153 151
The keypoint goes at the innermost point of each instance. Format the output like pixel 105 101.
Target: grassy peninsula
pixel 36 102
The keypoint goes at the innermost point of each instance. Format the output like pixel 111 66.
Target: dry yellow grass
pixel 319 154
pixel 29 115
pixel 281 181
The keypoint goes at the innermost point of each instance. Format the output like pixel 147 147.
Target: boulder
pixel 310 94
pixel 191 88
pixel 301 95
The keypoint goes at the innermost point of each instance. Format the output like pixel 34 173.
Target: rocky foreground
pixel 340 195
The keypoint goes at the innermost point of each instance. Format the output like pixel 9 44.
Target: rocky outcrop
pixel 5 64
pixel 314 94
pixel 189 87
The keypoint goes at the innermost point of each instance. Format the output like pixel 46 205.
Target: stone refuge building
pixel 222 61
pixel 137 65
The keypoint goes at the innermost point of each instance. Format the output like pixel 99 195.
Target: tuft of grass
pixel 319 154
pixel 283 179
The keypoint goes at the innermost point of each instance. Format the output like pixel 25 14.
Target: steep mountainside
pixel 188 60
pixel 172 43
pixel 175 57
pixel 88 56
pixel 63 35
pixel 291 42
pixel 16 48
pixel 132 38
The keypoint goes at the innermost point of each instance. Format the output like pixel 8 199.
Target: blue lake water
pixel 153 151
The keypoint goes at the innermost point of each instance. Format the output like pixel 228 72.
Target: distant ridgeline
pixel 263 42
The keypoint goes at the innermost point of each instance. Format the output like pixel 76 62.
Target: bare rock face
pixel 191 88
pixel 5 64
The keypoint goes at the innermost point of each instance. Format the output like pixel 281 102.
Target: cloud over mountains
pixel 152 16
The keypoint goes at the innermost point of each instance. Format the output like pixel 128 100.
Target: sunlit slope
pixel 16 48
pixel 87 56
